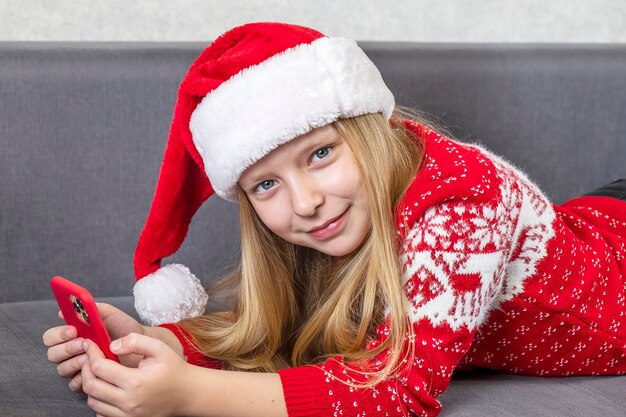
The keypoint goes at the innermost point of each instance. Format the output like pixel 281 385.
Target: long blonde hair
pixel 296 306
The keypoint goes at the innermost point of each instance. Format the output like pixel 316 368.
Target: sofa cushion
pixel 29 384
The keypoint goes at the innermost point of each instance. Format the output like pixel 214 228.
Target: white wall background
pixel 412 20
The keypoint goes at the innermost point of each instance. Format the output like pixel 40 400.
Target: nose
pixel 306 197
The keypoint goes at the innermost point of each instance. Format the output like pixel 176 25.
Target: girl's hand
pixel 157 387
pixel 65 348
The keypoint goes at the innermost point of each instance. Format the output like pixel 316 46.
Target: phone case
pixel 79 310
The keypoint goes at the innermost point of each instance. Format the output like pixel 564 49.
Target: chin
pixel 336 253
pixel 339 249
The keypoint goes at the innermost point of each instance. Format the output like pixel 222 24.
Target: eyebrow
pixel 248 186
pixel 323 141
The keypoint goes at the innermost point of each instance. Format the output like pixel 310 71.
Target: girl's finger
pixel 100 392
pixel 76 384
pixel 72 366
pixel 103 409
pixel 138 344
pixel 105 309
pixel 104 369
pixel 60 334
pixel 64 351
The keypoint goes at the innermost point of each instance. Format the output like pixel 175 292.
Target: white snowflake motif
pixel 439 295
pixel 459 260
pixel 454 278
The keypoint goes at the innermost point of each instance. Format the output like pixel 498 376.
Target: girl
pixel 378 255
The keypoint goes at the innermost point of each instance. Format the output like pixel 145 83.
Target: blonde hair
pixel 296 306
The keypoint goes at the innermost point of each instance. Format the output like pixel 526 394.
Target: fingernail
pixel 69 333
pixel 85 346
pixel 78 345
pixel 116 345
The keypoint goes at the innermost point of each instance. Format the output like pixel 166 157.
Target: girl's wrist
pixel 147 331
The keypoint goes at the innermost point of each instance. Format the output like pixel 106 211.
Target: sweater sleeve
pixel 190 350
pixel 453 260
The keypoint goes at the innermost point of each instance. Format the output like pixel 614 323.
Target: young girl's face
pixel 309 192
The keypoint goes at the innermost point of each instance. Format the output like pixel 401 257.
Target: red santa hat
pixel 254 88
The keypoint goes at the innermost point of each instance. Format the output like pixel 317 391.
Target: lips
pixel 328 228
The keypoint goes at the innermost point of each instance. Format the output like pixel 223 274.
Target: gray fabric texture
pixel 29 384
pixel 82 134
pixel 83 127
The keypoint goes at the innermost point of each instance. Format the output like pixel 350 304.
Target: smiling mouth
pixel 328 228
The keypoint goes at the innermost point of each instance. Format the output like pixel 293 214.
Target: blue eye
pixel 321 153
pixel 265 186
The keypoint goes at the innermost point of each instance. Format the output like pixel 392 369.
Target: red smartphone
pixel 79 310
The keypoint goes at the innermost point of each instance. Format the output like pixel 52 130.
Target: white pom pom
pixel 169 295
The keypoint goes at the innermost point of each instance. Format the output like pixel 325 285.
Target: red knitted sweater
pixel 494 276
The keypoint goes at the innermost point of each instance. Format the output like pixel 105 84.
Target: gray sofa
pixel 82 132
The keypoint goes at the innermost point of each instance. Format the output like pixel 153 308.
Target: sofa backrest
pixel 83 128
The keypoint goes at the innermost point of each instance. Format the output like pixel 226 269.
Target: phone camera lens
pixel 79 308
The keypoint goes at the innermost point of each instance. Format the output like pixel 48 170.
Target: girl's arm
pixel 230 394
pixel 164 385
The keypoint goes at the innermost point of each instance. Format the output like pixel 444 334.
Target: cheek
pixel 346 181
pixel 273 217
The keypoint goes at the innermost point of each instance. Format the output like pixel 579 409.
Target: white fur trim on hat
pixel 168 295
pixel 283 97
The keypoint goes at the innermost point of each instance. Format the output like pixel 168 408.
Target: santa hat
pixel 254 88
